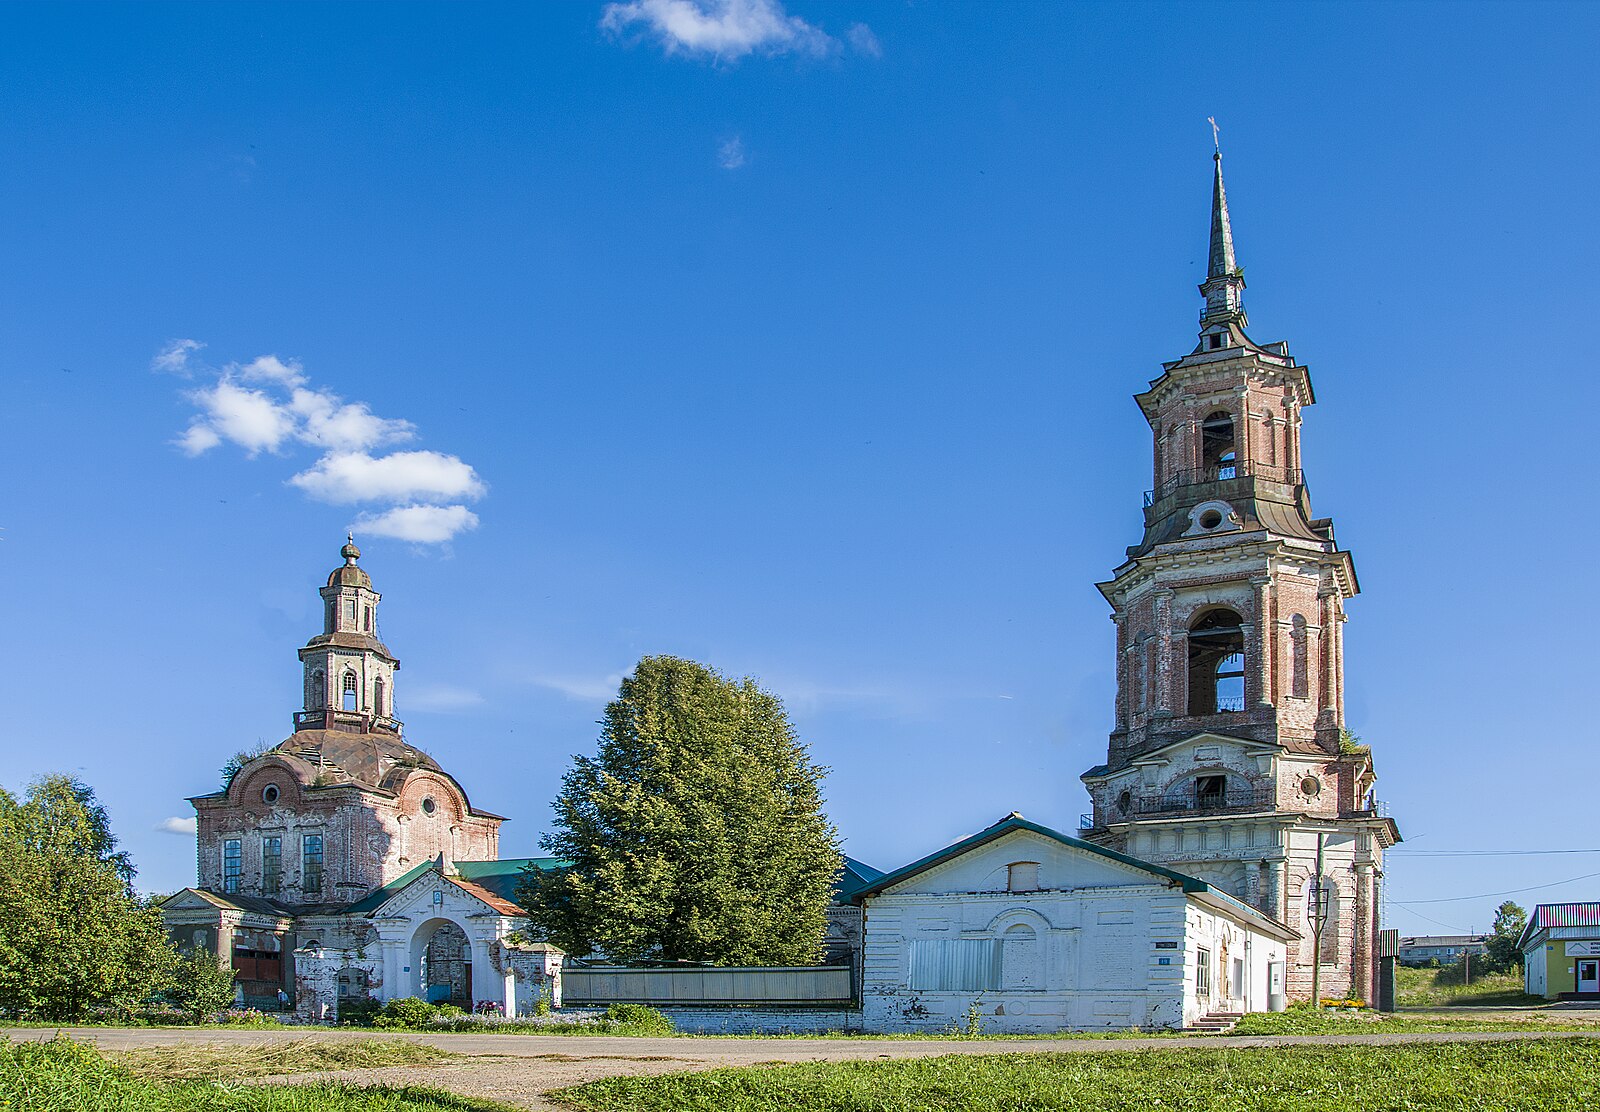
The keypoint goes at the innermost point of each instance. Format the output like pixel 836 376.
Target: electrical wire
pixel 1507 892
pixel 1482 852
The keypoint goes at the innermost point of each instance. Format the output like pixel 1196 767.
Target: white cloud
pixel 184 827
pixel 730 155
pixel 328 422
pixel 863 41
pixel 269 404
pixel 418 524
pixel 174 358
pixel 584 689
pixel 345 477
pixel 269 368
pixel 440 699
pixel 249 418
pixel 720 28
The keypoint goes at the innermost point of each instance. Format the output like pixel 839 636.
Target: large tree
pixel 1509 919
pixel 73 934
pixel 696 833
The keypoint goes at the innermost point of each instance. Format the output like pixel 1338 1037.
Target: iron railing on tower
pixel 1236 469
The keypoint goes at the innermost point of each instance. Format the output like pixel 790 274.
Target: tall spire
pixel 1223 288
pixel 1222 262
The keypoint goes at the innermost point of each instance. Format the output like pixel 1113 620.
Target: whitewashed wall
pixel 1099 945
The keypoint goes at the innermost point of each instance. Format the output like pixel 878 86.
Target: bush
pixel 408 1011
pixel 637 1019
pixel 359 1011
pixel 201 987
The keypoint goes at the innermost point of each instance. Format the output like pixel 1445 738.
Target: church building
pixel 1229 760
pixel 346 862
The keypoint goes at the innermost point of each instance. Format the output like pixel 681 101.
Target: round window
pixel 428 805
pixel 1125 802
pixel 269 794
pixel 1310 785
pixel 1210 519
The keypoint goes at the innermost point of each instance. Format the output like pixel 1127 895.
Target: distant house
pixel 1033 930
pixel 1447 949
pixel 1561 951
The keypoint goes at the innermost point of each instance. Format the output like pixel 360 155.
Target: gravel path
pixel 519 1069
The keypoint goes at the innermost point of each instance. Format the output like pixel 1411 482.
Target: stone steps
pixel 1215 1023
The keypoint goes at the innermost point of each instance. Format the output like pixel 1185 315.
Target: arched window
pixel 350 695
pixel 368 619
pixel 1299 677
pixel 1019 958
pixel 1216 663
pixel 1217 458
pixel 318 696
pixel 377 697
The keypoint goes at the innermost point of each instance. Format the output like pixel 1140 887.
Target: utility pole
pixel 1317 916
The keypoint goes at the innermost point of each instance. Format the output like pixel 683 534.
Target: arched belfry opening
pixel 1218 459
pixel 1216 663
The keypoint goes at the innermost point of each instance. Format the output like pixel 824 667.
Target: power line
pixel 1507 892
pixel 1435 922
pixel 1482 852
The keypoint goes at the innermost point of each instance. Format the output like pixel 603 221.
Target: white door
pixel 1588 975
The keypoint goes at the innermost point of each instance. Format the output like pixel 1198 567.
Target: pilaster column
pixel 1336 633
pixel 1168 641
pixel 1263 672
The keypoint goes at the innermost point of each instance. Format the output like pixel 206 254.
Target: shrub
pixel 201 987
pixel 358 1011
pixel 637 1019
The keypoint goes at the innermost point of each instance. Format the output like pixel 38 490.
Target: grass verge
pixel 65 1076
pixel 234 1063
pixel 1447 987
pixel 1508 1077
pixel 1306 1021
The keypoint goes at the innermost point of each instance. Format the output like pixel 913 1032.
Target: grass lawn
pixel 64 1076
pixel 1542 1075
pixel 1305 1021
pixel 1446 987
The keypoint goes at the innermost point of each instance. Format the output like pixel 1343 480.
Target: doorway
pixel 447 967
pixel 1589 974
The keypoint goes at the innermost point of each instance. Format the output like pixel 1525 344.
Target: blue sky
pixel 800 343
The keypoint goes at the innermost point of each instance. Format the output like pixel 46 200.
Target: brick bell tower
pixel 1229 759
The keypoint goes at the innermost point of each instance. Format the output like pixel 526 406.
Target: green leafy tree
pixel 73 935
pixel 201 986
pixel 1509 920
pixel 695 834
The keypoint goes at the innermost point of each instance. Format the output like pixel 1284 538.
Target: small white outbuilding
pixel 1030 930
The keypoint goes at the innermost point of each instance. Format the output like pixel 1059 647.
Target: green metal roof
pixel 499 877
pixel 856 875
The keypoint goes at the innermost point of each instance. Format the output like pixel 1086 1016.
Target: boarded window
pixel 1019 962
pixel 1022 876
pixel 955 964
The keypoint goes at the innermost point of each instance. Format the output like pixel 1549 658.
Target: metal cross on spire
pixel 1216 134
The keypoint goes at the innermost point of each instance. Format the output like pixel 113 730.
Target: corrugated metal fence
pixel 811 984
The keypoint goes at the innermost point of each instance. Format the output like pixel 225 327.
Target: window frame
pixel 271 864
pixel 313 863
pixel 232 864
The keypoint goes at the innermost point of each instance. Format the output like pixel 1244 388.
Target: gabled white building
pixel 1039 931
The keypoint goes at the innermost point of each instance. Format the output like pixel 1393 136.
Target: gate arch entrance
pixel 445 960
